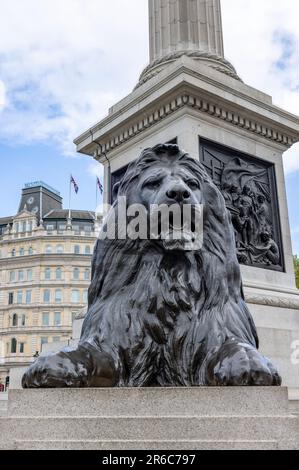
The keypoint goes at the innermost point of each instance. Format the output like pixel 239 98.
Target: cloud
pixel 95 169
pixel 64 63
pixel 2 95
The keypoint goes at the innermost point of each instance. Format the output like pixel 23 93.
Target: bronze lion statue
pixel 161 314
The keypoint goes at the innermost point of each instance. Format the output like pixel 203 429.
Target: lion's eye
pixel 154 184
pixel 193 184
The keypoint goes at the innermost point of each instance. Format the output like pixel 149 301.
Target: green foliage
pixel 296 266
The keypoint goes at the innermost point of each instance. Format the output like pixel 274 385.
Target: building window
pixel 28 296
pixel 48 249
pixel 30 251
pixel 22 252
pixel 50 227
pixel 57 318
pixel 21 276
pixel 85 295
pixel 45 319
pixel 87 250
pixel 59 249
pixel 22 348
pixel 48 273
pixel 58 296
pixel 43 340
pixel 87 274
pixel 12 276
pixel 23 320
pixel 13 253
pixel 76 274
pixel 19 297
pixel 13 346
pixel 29 226
pixel 77 250
pixel 10 298
pixel 47 296
pixel 56 339
pixel 58 273
pixel 75 296
pixel 61 227
pixel 15 320
pixel 29 274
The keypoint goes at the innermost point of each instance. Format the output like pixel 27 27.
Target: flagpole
pixel 96 198
pixel 70 195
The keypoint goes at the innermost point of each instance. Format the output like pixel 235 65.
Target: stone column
pixel 185 25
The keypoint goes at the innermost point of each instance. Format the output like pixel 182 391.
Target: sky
pixel 64 63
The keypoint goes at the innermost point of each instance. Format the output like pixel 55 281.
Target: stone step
pixel 147 445
pixel 200 401
pixel 257 428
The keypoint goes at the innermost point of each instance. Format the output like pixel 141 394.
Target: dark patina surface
pixel 160 316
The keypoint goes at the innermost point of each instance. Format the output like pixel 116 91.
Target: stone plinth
pixel 152 418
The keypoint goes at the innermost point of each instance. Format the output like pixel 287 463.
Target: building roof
pixel 6 220
pixel 64 213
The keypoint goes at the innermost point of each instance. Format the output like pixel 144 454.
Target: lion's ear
pixel 115 189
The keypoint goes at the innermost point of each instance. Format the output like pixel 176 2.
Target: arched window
pixel 13 253
pixel 58 273
pixel 59 249
pixel 13 346
pixel 77 249
pixel 15 320
pixel 48 273
pixel 87 249
pixel 76 274
pixel 30 251
pixel 87 274
pixel 23 320
pixel 22 251
pixel 48 249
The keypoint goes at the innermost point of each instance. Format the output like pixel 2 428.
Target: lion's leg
pixel 239 363
pixel 85 366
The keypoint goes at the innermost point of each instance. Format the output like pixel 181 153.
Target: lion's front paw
pixel 54 371
pixel 238 363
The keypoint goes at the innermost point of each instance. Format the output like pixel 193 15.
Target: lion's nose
pixel 178 193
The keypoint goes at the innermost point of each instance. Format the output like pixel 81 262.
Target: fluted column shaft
pixel 185 25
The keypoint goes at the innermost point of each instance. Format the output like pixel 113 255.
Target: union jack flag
pixel 76 187
pixel 100 185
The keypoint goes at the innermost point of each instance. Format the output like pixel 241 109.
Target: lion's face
pixel 169 183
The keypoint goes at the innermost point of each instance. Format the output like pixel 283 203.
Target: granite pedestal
pixel 150 418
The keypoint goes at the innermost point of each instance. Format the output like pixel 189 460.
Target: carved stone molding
pixel 281 302
pixel 157 66
pixel 201 105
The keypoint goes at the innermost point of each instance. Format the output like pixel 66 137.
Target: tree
pixel 296 267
